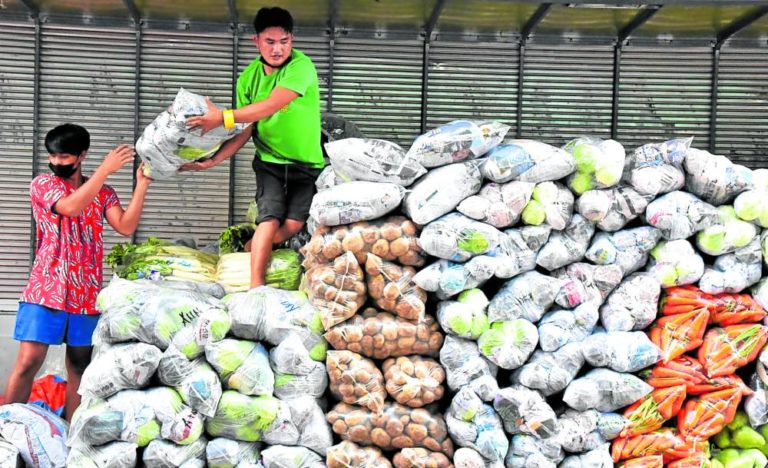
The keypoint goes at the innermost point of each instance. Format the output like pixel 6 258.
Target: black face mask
pixel 65 171
pixel 276 67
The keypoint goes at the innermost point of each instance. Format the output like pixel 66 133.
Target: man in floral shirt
pixel 59 303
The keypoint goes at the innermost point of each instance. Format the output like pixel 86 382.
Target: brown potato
pixel 380 248
pixel 332 249
pixel 399 247
pixel 359 434
pixel 371 235
pixel 402 442
pixel 376 286
pixel 353 243
pixel 340 232
pixel 380 438
pixel 409 228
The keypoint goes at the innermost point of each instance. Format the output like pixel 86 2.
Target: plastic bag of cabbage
pixel 657 168
pixel 499 205
pixel 355 201
pixel 528 451
pixel 550 203
pixel 121 367
pixel 197 383
pixel 525 411
pixel 599 163
pixel 611 209
pixel 715 179
pixel 465 366
pixel 750 205
pixel 441 190
pixel 517 250
pixel 628 248
pixel 567 246
pixel 227 453
pixel 457 141
pixel 588 430
pixel 164 454
pixel 242 365
pixel 550 372
pixel 38 435
pixel 457 238
pixel 675 263
pixel 167 142
pixel 620 351
pixel 296 373
pixel 372 160
pixel 527 161
pixel 734 272
pixel 466 317
pixel 113 455
pixel 447 279
pixel 604 390
pixel 474 424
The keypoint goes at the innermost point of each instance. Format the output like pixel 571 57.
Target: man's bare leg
pixel 29 360
pixel 77 359
pixel 290 228
pixel 261 249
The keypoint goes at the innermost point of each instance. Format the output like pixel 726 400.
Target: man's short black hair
pixel 68 138
pixel 271 17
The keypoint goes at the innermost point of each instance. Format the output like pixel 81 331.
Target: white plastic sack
pixel 10 456
pixel 588 430
pixel 596 458
pixel 509 344
pixel 464 366
pixel 560 327
pixel 584 282
pixel 465 319
pixel 657 168
pixel 242 365
pixel 527 451
pixel 167 143
pixel 734 272
pixel 469 458
pixel 517 250
pixel 355 201
pixel 628 249
pixel 499 205
pixel 679 215
pixel 373 160
pixel 195 380
pixel 760 293
pixel 633 304
pixel 448 278
pixel 611 209
pixel 458 238
pixel 243 417
pixel 620 351
pixel 296 373
pixel 327 179
pixel 474 424
pixel 121 367
pixel 599 163
pixel 727 235
pixel 568 246
pixel 550 372
pixel 40 436
pixel 525 296
pixel 112 455
pixel 715 179
pixel 280 456
pixel 441 191
pixel 307 423
pixel 227 453
pixel 525 411
pixel 750 205
pixel 164 454
pixel 550 203
pixel 457 141
pixel 675 263
pixel 527 161
pixel 605 390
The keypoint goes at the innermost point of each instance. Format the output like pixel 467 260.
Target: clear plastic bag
pixel 441 191
pixel 675 263
pixel 457 141
pixel 327 179
pixel 509 344
pixel 280 456
pixel 121 367
pixel 469 458
pixel 420 458
pixel 10 456
pixel 526 451
pixel 550 203
pixel 465 366
pixel 756 405
pixel 550 372
pixel 447 279
pixel 728 235
pixel 40 436
pixel 679 215
pixel 579 431
pixel 596 458
pixel 392 288
pixel 599 163
pixel 750 205
pixel 568 246
pixel 296 373
pixel 525 296
pixel 196 381
pixel 715 179
pixel 380 335
pixel 465 318
pixel 474 424
pixel 527 161
pixel 560 327
pixel 300 422
pixel 373 160
pixel 628 248
pixel 734 272
pixel 397 426
pixel 356 380
pixel 348 454
pixel 355 201
pixel 394 238
pixel 243 417
pixel 413 381
pixel 657 168
pixel 163 454
pixel 633 304
pixel 584 282
pixel 620 351
pixel 167 142
pixel 458 238
pixel 336 291
pixel 112 455
pixel 517 250
pixel 268 314
pixel 604 390
pixel 525 411
pixel 499 205
pixel 227 453
pixel 611 209
pixel 242 365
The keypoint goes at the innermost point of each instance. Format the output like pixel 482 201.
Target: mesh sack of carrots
pixel 705 416
pixel 653 410
pixel 734 309
pixel 685 299
pixel 684 449
pixel 679 333
pixel 724 350
pixel 651 461
pixel 653 443
pixel 688 371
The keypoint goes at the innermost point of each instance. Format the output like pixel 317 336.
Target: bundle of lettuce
pixel 158 259
pixel 233 271
pixel 167 143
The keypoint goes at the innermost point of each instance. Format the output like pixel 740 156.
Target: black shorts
pixel 284 191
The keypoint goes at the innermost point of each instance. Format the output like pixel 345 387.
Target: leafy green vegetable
pixel 233 238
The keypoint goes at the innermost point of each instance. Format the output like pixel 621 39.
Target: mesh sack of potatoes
pixel 392 238
pixel 420 458
pixel 356 380
pixel 381 335
pixel 414 381
pixel 396 427
pixel 336 291
pixel 392 288
pixel 348 454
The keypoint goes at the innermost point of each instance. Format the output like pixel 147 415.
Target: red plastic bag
pixel 49 392
pixel 726 349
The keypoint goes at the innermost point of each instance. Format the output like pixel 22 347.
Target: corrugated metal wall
pixel 88 76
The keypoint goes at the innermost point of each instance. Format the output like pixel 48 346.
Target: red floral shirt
pixel 67 271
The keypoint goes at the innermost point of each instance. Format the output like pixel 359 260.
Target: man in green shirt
pixel 278 92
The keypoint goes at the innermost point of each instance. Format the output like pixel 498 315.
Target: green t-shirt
pixel 291 134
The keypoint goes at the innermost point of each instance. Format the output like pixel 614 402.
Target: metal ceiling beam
pixel 233 17
pixel 130 5
pixel 429 27
pixel 636 22
pixel 33 9
pixel 534 20
pixel 739 24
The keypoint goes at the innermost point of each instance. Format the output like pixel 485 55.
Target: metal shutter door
pixel 471 80
pixel 17 41
pixel 664 93
pixel 742 106
pixel 316 48
pixel 87 78
pixel 197 205
pixel 567 92
pixel 377 85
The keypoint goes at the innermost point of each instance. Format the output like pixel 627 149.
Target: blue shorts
pixel 41 324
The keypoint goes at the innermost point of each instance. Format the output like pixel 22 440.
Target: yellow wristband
pixel 229 118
